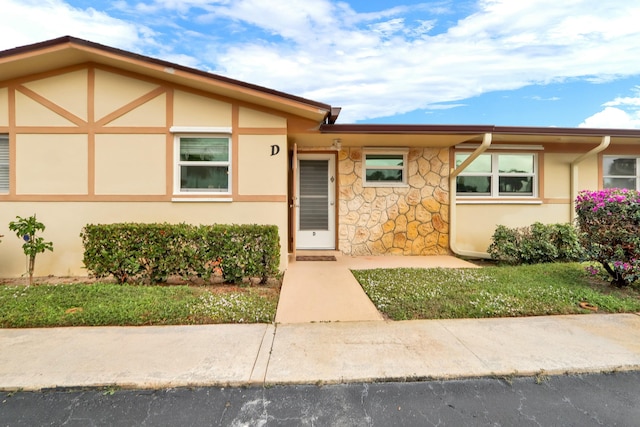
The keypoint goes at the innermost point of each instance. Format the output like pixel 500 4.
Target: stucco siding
pixel 476 223
pixel 64 222
pixel 260 172
pixel 57 89
pixel 195 110
pixel 32 113
pixel 151 113
pixel 130 164
pixel 51 164
pixel 249 118
pixel 113 91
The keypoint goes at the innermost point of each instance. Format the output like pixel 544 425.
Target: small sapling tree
pixel 26 229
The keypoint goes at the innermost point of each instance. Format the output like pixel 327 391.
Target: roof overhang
pixel 70 51
pixel 449 135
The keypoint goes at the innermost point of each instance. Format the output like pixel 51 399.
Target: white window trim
pixel 177 163
pixel 624 156
pixel 201 130
pixel 391 151
pixel 495 181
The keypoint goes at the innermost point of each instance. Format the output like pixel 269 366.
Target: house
pixel 93 134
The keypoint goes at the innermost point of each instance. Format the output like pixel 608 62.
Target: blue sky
pixel 566 63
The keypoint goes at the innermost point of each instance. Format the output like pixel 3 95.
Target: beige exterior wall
pixel 58 88
pixel 4 107
pixel 51 164
pixel 64 222
pixel 151 113
pixel 77 163
pixel 409 220
pixel 195 110
pixel 477 221
pixel 130 164
pixel 249 118
pixel 31 113
pixel 113 91
pixel 260 172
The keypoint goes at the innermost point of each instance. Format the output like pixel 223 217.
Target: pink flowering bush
pixel 609 223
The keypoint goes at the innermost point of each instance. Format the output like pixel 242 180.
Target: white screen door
pixel 316 201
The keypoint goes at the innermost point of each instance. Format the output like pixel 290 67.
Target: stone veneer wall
pixel 411 220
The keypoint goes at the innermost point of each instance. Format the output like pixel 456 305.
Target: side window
pixel 620 172
pixel 498 175
pixel 203 164
pixel 4 163
pixel 385 168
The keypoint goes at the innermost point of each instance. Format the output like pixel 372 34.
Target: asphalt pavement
pixel 569 400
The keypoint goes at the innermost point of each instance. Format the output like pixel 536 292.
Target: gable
pixel 69 52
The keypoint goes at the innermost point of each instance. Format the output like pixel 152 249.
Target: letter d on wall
pixel 275 149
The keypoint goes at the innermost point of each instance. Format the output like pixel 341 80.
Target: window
pixel 621 172
pixel 4 163
pixel 203 164
pixel 498 175
pixel 385 168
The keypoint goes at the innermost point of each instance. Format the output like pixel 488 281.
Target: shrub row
pixel 154 252
pixel 535 244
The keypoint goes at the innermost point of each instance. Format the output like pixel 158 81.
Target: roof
pixel 69 51
pixel 455 134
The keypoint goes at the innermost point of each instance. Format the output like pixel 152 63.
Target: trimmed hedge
pixel 536 244
pixel 154 252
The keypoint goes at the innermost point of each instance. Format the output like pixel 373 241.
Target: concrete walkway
pixel 327 331
pixel 326 291
pixel 312 353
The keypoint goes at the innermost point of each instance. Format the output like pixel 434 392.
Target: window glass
pixel 204 178
pixel 628 183
pixel 515 163
pixel 620 166
pixel 204 149
pixel 384 169
pixel 203 164
pixel 482 163
pixel 620 172
pixel 374 160
pixel 497 175
pixel 475 185
pixel 516 185
pixel 382 175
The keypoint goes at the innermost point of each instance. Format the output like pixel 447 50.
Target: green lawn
pixel 102 304
pixel 531 290
pixel 400 294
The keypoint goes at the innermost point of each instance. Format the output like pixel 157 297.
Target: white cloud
pixel 31 21
pixel 622 112
pixel 613 118
pixel 384 70
pixel 373 64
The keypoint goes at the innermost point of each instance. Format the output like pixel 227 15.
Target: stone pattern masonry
pixel 410 220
